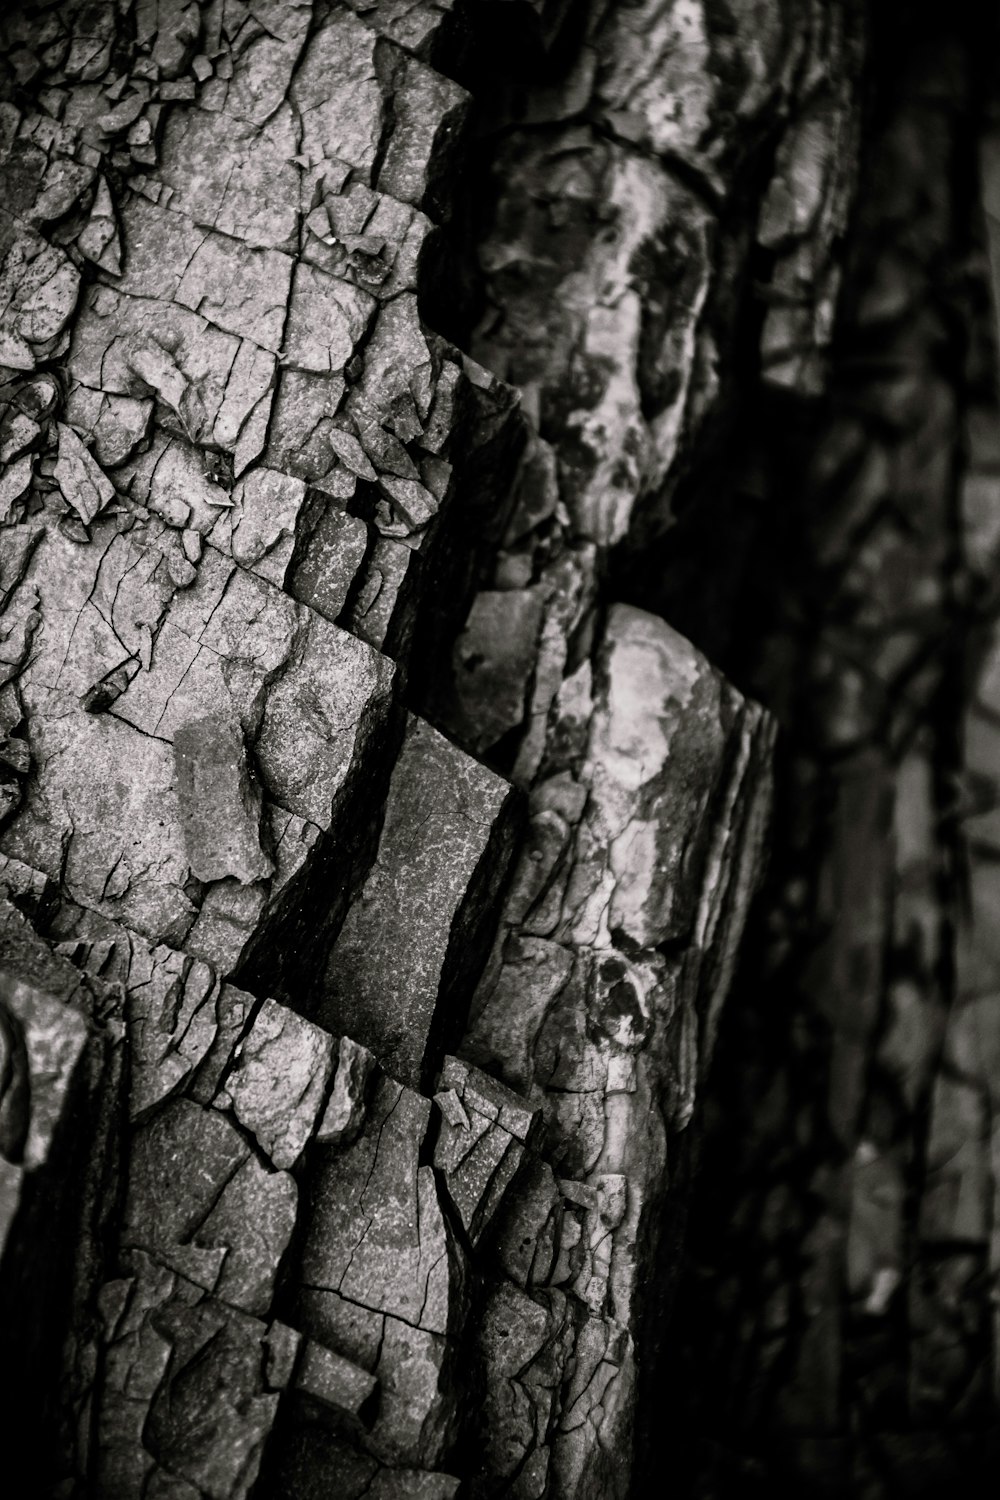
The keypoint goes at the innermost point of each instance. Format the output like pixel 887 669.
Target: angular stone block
pixel 398 974
pixel 199 1203
pixel 279 1081
pixel 220 804
pixel 482 1136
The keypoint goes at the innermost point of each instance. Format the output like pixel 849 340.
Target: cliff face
pixel 386 387
pixel 843 1244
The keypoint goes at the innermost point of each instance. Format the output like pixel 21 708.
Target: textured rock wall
pixel 842 1249
pixel 377 855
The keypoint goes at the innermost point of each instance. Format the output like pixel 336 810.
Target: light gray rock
pixel 279 1081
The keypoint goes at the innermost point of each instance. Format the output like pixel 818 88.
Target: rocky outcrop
pixel 601 998
pixel 376 856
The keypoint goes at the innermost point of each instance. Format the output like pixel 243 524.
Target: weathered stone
pixel 377 1234
pixel 344 1114
pixel 284 1345
pixel 84 486
pixel 531 1339
pixel 259 529
pixel 660 700
pixel 184 1391
pixel 279 1081
pixel 480 1143
pixel 412 27
pixel 172 1009
pixel 189 746
pixel 199 1204
pixel 324 576
pixel 61 1110
pixel 229 646
pixel 337 94
pixel 100 239
pixel 428 113
pixel 601 1021
pixel 443 851
pixel 45 1042
pixel 381 1278
pixel 220 802
pixel 39 286
pixel 253 1219
pixel 335 1382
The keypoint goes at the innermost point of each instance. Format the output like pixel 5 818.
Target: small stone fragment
pixel 220 802
pixel 413 500
pixel 350 453
pixel 345 1110
pixel 452 1108
pixel 99 698
pixel 15 481
pixel 99 240
pixel 337 1383
pixel 45 1040
pixel 172 1024
pixel 83 482
pixel 283 1345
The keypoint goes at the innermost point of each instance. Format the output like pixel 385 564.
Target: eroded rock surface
pixel 376 873
pixel 398 977
pixel 587 1008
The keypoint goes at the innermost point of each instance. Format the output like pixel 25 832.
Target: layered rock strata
pixel 359 994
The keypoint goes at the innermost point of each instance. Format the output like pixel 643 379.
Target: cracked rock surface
pixel 379 826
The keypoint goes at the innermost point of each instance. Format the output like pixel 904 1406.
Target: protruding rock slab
pixel 381 1278
pixel 400 972
pixel 599 1004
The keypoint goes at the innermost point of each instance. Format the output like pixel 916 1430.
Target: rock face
pixel 843 1255
pixel 600 1002
pixel 375 856
pixel 399 974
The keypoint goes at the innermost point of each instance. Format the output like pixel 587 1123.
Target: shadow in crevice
pixel 818 562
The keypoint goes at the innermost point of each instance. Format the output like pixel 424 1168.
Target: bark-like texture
pixel 377 856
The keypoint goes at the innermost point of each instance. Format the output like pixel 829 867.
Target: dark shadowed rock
pixel 398 976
